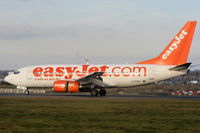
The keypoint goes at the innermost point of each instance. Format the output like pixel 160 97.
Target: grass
pixel 98 115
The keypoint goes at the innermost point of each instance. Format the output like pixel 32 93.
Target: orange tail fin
pixel 176 53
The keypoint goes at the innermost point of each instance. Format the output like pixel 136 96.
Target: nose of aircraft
pixel 8 79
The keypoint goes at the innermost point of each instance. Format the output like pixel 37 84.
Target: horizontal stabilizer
pixel 181 67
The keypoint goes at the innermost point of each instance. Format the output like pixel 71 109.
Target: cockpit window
pixel 14 72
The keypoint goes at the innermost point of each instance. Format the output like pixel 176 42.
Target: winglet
pixel 176 53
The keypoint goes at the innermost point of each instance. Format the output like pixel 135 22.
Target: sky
pixel 35 32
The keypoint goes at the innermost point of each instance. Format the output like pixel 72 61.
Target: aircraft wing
pixel 94 78
pixel 93 75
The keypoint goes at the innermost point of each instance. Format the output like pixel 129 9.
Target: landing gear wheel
pixel 94 92
pixel 26 92
pixel 102 92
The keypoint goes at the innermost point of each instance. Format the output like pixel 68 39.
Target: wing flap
pixel 99 82
pixel 94 78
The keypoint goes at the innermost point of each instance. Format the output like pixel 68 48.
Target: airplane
pixel 171 62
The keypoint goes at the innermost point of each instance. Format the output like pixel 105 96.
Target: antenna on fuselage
pixel 87 61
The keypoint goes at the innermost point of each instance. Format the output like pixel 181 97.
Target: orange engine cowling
pixel 66 86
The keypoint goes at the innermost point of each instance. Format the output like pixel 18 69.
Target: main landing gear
pixel 101 92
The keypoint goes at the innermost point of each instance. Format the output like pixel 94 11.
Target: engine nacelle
pixel 66 86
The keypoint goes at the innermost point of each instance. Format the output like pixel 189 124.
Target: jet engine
pixel 66 86
pixel 71 86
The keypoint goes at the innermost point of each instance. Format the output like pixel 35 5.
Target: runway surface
pixel 51 95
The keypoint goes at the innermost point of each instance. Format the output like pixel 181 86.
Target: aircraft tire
pixel 102 92
pixel 94 92
pixel 26 92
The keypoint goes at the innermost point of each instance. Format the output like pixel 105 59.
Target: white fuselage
pixel 115 75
